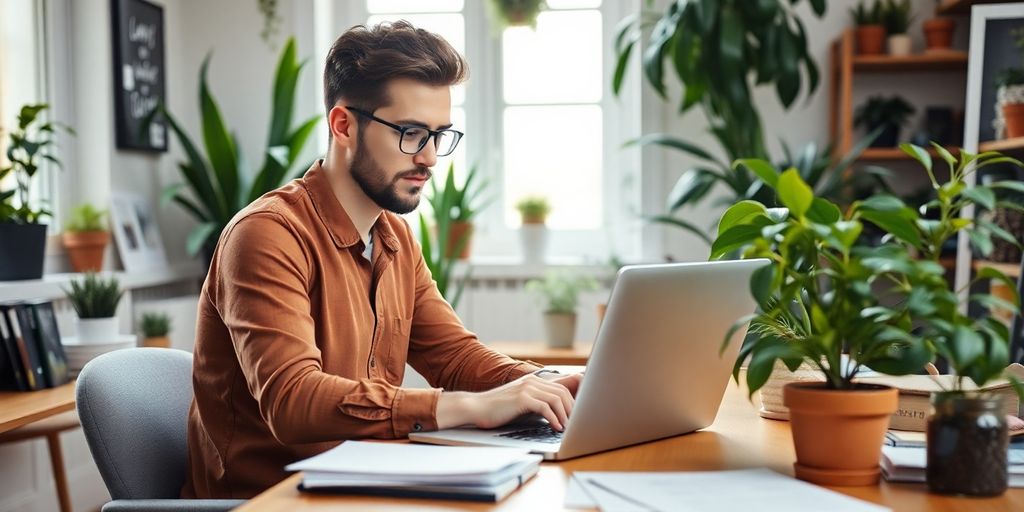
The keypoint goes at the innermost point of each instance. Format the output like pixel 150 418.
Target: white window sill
pixel 513 268
pixel 51 286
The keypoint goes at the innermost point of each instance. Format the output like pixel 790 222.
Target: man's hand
pixel 551 399
pixel 571 382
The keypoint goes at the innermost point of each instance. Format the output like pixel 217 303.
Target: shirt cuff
pixel 414 410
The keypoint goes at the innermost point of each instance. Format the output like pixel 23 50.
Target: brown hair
pixel 363 60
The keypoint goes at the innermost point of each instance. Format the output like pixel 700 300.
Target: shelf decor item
pixel 155 328
pixel 870 22
pixel 1010 95
pixel 95 301
pixel 938 34
pixel 885 114
pixel 533 234
pixel 897 17
pixel 22 234
pixel 86 236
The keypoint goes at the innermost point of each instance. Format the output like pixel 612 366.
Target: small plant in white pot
pixel 95 300
pixel 897 17
pixel 155 328
pixel 560 292
pixel 533 233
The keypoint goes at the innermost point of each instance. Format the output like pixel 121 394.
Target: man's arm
pixel 261 293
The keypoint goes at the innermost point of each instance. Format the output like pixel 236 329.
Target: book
pixel 399 469
pixel 910 439
pixel 25 342
pixel 12 374
pixel 907 464
pixel 914 405
pixel 47 335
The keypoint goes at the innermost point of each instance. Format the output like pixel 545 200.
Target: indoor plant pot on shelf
pixel 533 233
pixel 897 17
pixel 95 301
pixel 870 30
pixel 938 34
pixel 85 238
pixel 22 235
pixel 886 114
pixel 560 293
pixel 454 209
pixel 155 327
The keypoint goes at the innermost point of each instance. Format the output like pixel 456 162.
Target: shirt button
pixel 417 427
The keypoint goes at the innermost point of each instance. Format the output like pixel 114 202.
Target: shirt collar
pixel 334 217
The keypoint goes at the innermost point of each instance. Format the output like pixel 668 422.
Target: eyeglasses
pixel 412 139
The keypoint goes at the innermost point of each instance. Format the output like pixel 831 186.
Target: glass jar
pixel 967 445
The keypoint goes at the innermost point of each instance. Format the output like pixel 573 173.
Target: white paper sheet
pixel 712 491
pixel 585 495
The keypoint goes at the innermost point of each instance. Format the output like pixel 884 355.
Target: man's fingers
pixel 557 405
pixel 563 394
pixel 543 408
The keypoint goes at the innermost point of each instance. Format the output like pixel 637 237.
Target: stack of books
pixel 907 464
pixel 406 470
pixel 31 354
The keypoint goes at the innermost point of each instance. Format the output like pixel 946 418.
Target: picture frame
pixel 137 233
pixel 139 74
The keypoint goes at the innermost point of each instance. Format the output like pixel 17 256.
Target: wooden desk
pixel 539 352
pixel 22 408
pixel 738 439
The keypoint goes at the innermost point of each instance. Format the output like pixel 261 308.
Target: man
pixel 318 295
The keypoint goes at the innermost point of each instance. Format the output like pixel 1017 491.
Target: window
pixel 539 119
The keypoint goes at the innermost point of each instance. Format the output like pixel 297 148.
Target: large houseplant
pixel 22 235
pixel 220 183
pixel 828 301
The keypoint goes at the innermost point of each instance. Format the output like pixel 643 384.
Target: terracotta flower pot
pixel 838 433
pixel 455 233
pixel 157 342
pixel 85 249
pixel 1013 116
pixel 871 39
pixel 938 33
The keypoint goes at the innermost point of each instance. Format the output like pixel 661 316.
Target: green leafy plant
pixel 879 111
pixel 862 14
pixel 516 12
pixel 560 290
pixel 86 217
pixel 533 209
pixel 221 183
pixel 93 297
pixel 155 325
pixel 896 16
pixel 28 145
pixel 826 293
pixel 448 206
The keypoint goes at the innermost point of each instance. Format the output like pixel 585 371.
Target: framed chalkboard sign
pixel 139 82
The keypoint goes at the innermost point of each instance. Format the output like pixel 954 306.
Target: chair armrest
pixel 171 505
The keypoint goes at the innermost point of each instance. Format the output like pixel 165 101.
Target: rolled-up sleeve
pixel 262 294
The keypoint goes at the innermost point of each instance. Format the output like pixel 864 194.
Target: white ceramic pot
pixel 534 238
pixel 900 45
pixel 560 329
pixel 97 330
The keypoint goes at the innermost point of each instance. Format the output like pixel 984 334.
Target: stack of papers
pixel 393 469
pixel 906 464
pixel 707 491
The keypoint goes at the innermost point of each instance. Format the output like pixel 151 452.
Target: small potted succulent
pixel 22 233
pixel 897 17
pixel 155 328
pixel 870 27
pixel 560 293
pixel 95 301
pixel 85 237
pixel 1010 96
pixel 533 233
pixel 887 114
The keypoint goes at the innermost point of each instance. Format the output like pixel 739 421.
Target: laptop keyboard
pixel 541 434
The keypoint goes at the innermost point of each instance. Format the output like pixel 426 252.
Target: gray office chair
pixel 133 405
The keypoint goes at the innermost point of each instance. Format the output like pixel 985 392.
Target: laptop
pixel 656 369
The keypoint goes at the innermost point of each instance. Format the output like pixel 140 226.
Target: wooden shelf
pixel 1010 269
pixel 884 154
pixel 943 61
pixel 961 6
pixel 1005 145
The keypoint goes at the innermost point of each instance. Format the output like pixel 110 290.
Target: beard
pixel 372 179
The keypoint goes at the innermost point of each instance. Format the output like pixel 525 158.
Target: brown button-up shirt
pixel 301 342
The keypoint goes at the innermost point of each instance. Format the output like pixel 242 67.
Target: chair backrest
pixel 133 405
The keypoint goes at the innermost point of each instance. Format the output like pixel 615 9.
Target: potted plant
pixel 886 114
pixel 516 13
pixel 95 301
pixel 155 328
pixel 22 235
pixel 870 27
pixel 459 206
pixel 938 33
pixel 216 182
pixel 1010 96
pixel 897 17
pixel 533 210
pixel 560 293
pixel 85 237
pixel 967 431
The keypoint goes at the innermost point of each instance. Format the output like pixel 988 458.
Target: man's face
pixel 392 179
